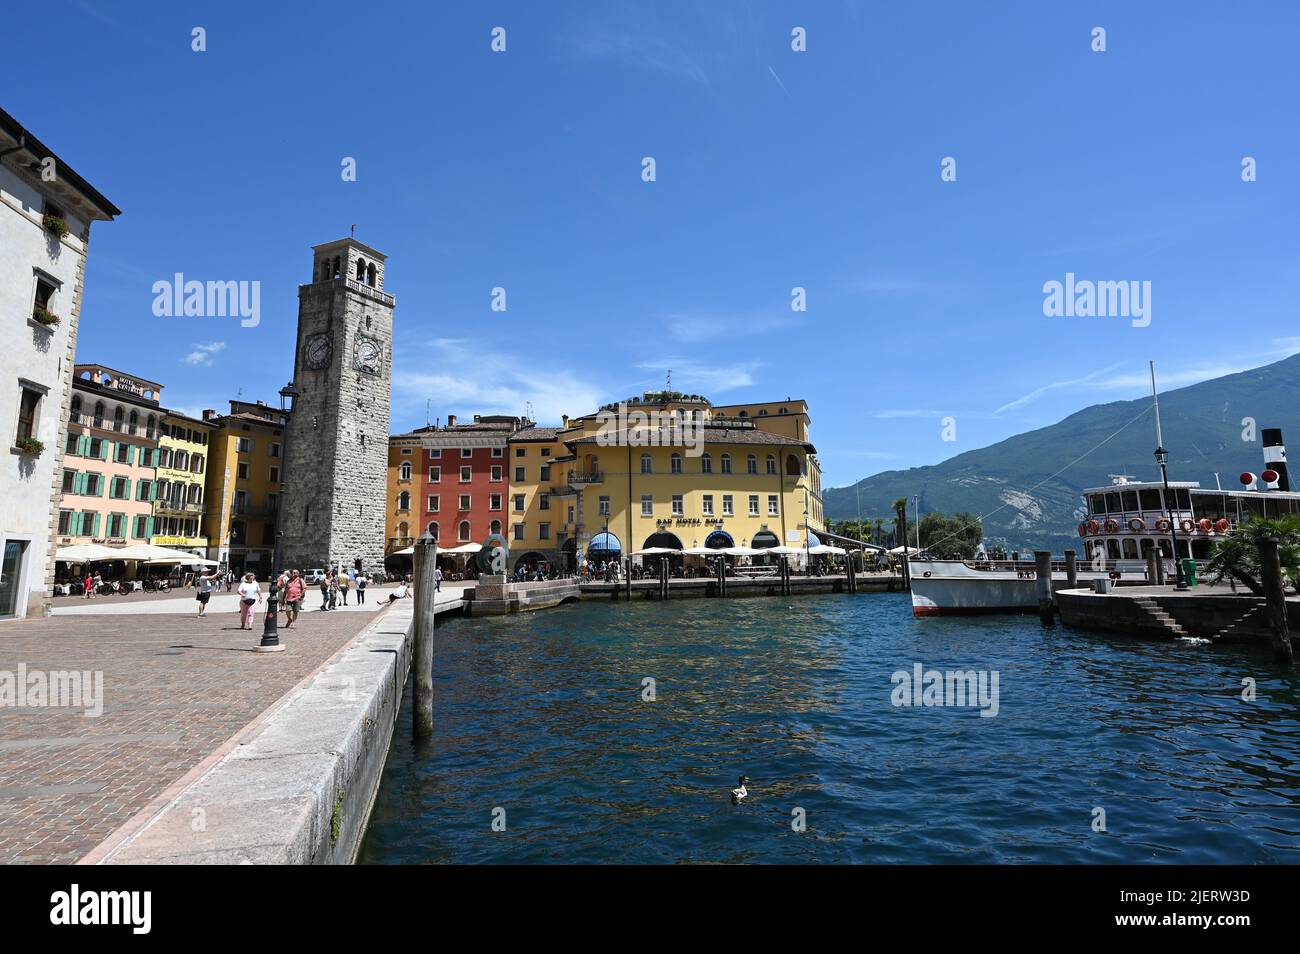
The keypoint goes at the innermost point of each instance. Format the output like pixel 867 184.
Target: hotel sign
pixel 123 383
pixel 688 522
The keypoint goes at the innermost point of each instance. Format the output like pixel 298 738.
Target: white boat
pixel 1121 524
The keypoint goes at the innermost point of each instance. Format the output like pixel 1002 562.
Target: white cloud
pixel 696 376
pixel 203 353
pixel 463 379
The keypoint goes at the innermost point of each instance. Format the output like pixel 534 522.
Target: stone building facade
pixel 46 210
pixel 336 447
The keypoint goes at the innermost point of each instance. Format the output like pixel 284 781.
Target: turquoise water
pixel 541 715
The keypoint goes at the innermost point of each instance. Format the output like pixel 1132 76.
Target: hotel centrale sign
pixel 123 383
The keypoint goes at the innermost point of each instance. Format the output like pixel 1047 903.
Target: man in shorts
pixel 294 591
pixel 205 584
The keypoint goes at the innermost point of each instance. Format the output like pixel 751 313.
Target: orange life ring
pixel 1094 526
pixel 1223 526
pixel 1137 524
pixel 1187 525
pixel 1163 525
pixel 1206 525
pixel 1112 525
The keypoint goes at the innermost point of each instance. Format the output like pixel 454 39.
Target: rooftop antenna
pixel 426 413
pixel 354 230
pixel 670 380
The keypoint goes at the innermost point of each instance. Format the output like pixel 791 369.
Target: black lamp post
pixel 1162 458
pixel 271 625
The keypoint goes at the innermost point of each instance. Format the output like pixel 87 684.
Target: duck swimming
pixel 740 792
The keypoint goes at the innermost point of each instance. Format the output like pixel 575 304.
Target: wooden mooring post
pixel 1043 577
pixel 1072 569
pixel 426 560
pixel 1153 567
pixel 1270 571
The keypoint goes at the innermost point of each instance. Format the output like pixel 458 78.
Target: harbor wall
pixel 1230 619
pixel 707 587
pixel 298 789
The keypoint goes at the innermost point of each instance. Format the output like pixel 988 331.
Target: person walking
pixel 204 584
pixel 437 579
pixel 294 591
pixel 344 584
pixel 334 590
pixel 325 592
pixel 88 584
pixel 250 594
pixel 362 580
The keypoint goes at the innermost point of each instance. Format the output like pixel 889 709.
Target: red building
pixel 451 480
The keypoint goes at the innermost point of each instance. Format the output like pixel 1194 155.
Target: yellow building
pixel 246 453
pixel 664 469
pixel 181 483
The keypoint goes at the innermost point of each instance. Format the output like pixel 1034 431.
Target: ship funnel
pixel 1248 480
pixel 1275 459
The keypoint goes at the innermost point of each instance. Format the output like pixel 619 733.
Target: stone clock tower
pixel 336 447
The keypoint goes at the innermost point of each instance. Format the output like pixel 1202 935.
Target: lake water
pixel 540 722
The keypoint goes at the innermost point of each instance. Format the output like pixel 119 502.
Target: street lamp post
pixel 271 625
pixel 1162 458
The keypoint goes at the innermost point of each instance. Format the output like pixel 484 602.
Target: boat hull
pixel 953 588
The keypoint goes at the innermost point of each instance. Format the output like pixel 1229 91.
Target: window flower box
pixel 56 224
pixel 30 446
pixel 44 316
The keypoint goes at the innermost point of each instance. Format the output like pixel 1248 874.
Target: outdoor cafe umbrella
pixel 700 551
pixel 653 551
pixel 743 551
pixel 825 549
pixel 784 550
pixel 86 553
pixel 152 553
pixel 465 548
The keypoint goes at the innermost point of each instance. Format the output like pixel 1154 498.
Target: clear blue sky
pixel 775 169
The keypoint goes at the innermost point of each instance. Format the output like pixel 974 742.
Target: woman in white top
pixel 250 594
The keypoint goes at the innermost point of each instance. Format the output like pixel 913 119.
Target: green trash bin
pixel 1189 571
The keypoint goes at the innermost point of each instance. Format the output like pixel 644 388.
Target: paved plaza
pixel 174 689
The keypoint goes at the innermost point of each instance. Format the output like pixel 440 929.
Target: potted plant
pixel 30 446
pixel 56 224
pixel 44 315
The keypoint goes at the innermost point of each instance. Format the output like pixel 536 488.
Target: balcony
pixel 176 507
pixel 255 513
pixel 578 478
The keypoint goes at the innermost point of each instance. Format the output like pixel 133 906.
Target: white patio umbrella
pixel 700 551
pixel 152 553
pixel 825 549
pixel 784 550
pixel 464 548
pixel 409 551
pixel 743 551
pixel 86 553
pixel 652 551
pixel 905 550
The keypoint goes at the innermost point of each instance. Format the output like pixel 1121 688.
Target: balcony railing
pixel 172 506
pixel 255 512
pixel 578 477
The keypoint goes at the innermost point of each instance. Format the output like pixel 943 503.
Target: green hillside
pixel 1202 430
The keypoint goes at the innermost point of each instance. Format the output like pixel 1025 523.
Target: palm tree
pixel 1236 555
pixel 880 530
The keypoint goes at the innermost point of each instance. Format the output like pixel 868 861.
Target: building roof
pixel 177 415
pixel 535 434
pixel 20 134
pixel 711 434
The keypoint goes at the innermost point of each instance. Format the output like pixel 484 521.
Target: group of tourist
pixel 335 585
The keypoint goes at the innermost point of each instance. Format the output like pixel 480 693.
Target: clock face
pixel 370 355
pixel 319 351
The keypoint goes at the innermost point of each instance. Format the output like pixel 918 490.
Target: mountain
pixel 1011 482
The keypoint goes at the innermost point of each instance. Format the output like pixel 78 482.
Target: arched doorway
pixel 529 560
pixel 718 540
pixel 764 540
pixel 604 546
pixel 662 538
pixel 569 556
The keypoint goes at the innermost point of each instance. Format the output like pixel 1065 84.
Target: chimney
pixel 451 420
pixel 209 413
pixel 564 419
pixel 1275 458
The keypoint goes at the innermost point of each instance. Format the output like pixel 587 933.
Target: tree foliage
pixel 1236 554
pixel 950 536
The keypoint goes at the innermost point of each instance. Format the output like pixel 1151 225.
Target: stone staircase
pixel 1162 619
pixel 1258 606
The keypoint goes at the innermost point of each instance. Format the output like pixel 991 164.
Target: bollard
pixel 1270 571
pixel 426 559
pixel 1153 566
pixel 1043 579
pixel 1072 569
